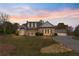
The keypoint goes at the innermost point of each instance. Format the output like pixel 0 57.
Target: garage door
pixel 62 34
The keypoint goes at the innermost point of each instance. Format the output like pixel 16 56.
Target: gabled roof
pixel 46 24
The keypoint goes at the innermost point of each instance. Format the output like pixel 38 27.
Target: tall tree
pixel 9 28
pixel 4 18
pixel 61 26
pixel 76 31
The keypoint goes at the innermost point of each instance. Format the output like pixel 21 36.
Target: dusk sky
pixel 53 12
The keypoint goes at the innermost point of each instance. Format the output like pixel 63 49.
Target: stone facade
pixel 47 31
pixel 30 32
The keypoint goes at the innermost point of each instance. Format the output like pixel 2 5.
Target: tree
pixel 1 28
pixel 76 31
pixel 15 27
pixel 61 26
pixel 8 28
pixel 70 30
pixel 38 34
pixel 3 19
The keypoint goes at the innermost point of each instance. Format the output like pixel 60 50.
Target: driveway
pixel 68 42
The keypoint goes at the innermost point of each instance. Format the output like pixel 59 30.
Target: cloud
pixel 21 14
pixel 16 10
pixel 46 14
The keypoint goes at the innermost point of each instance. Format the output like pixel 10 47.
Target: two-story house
pixel 31 28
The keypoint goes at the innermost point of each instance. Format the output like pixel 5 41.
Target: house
pixel 61 29
pixel 31 28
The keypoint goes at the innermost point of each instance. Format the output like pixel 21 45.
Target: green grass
pixel 27 46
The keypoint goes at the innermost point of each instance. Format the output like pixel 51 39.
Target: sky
pixel 55 13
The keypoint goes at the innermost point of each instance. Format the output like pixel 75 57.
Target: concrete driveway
pixel 68 42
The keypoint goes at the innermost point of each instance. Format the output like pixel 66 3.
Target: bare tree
pixel 3 19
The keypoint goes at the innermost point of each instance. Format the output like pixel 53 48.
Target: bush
pixel 55 34
pixel 39 34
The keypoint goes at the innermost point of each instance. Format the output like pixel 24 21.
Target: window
pixel 42 30
pixel 51 30
pixel 48 30
pixel 29 25
pixel 45 30
pixel 32 25
pixel 35 25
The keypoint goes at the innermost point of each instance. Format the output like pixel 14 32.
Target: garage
pixel 62 34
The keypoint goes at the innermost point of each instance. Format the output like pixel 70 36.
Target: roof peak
pixel 46 24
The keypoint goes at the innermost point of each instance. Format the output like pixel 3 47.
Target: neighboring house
pixel 61 32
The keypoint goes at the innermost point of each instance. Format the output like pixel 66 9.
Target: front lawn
pixel 26 46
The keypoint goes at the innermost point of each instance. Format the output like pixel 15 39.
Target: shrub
pixel 55 34
pixel 39 34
